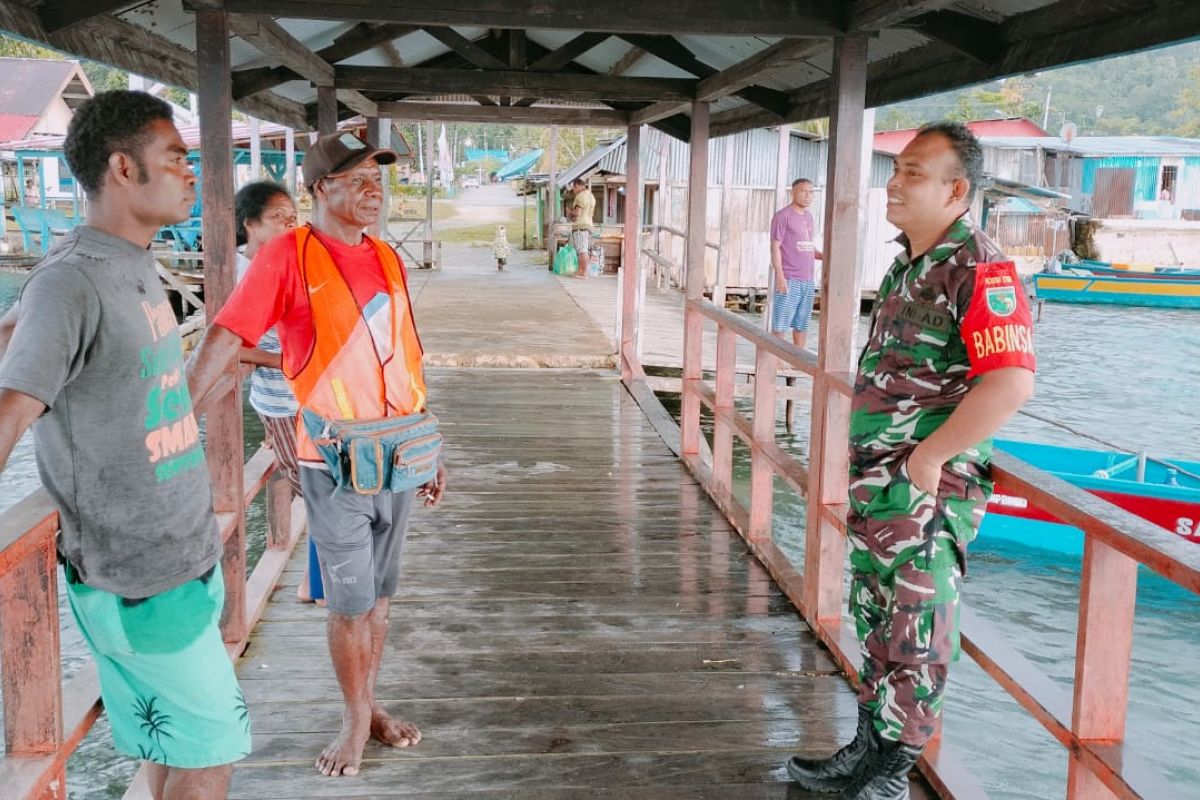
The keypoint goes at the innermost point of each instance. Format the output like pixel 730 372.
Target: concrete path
pixel 471 315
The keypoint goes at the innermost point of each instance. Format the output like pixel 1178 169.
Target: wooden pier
pixel 577 620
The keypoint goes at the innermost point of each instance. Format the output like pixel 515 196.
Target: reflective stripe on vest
pixel 346 375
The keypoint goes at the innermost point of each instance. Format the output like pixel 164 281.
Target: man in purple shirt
pixel 793 255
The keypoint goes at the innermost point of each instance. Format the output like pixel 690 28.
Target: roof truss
pixel 714 17
pixel 959 42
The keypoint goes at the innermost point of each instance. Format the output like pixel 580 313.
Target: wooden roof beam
pixel 392 53
pixel 363 37
pixel 873 15
pixel 357 102
pixel 1048 37
pixel 516 49
pixel 658 111
pixel 465 47
pixel 672 51
pixel 62 14
pixel 512 115
pixel 560 57
pixel 749 70
pixel 273 41
pixel 559 86
pixel 975 38
pixel 716 17
pixel 359 39
pixel 627 62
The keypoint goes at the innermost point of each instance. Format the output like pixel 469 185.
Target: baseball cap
pixel 338 152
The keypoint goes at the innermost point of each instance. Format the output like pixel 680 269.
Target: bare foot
pixel 391 731
pixel 344 755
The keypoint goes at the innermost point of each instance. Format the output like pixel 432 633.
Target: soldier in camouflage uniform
pixel 948 359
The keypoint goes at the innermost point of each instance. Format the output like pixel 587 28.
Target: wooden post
pixel 279 511
pixel 552 195
pixel 693 323
pixel 289 153
pixel 427 250
pixel 631 261
pixel 326 110
pixel 718 293
pixel 224 423
pixel 1108 594
pixel 783 197
pixel 379 135
pixel 255 150
pixel 29 648
pixel 840 279
pixel 663 204
pixel 722 469
pixel 762 476
pixel 783 171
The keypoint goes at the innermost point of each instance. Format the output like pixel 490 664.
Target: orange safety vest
pixel 344 375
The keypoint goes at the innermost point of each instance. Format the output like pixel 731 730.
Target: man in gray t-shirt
pixel 98 345
pixel 95 365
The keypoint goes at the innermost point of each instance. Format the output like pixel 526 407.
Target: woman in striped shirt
pixel 264 210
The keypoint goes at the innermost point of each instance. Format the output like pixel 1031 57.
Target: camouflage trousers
pixel 907 568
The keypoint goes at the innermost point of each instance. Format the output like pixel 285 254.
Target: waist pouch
pixel 369 456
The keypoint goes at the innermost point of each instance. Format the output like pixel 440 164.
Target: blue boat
pixel 1165 492
pixel 1133 289
pixel 1159 273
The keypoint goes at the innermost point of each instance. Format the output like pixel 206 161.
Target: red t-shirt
pixel 998 326
pixel 272 294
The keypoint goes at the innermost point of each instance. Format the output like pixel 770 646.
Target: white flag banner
pixel 445 160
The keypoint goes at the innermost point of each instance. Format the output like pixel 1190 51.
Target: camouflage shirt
pixel 939 322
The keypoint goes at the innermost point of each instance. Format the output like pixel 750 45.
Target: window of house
pixel 1166 189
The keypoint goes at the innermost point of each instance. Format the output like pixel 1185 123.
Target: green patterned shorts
pixel 168 686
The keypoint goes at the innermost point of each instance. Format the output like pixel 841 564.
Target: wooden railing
pixel 665 267
pixel 1090 722
pixel 44 721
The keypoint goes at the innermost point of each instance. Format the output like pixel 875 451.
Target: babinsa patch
pixel 1002 300
pixel 928 316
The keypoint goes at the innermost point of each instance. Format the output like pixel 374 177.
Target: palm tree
pixel 154 722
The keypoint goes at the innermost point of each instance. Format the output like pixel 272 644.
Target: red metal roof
pixel 894 141
pixel 15 126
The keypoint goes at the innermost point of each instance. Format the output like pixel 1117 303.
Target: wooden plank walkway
pixel 578 620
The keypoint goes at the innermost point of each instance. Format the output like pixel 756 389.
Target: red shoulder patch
pixel 998 325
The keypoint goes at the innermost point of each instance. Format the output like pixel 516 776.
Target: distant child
pixel 501 249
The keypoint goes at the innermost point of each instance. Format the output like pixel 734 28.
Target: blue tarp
pixel 519 166
pixel 479 154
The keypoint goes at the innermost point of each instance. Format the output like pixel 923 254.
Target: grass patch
pixel 483 234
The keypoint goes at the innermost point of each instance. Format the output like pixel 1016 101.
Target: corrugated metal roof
pixel 596 156
pixel 755 156
pixel 30 84
pixel 16 126
pixel 170 21
pixel 1099 146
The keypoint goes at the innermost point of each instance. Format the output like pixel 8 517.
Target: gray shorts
pixel 359 539
pixel 581 240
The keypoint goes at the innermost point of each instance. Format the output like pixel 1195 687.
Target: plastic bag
pixel 566 261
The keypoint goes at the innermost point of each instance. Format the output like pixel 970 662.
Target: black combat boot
pixel 885 775
pixel 836 772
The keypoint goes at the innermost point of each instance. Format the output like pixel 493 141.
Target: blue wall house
pixel 1111 177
